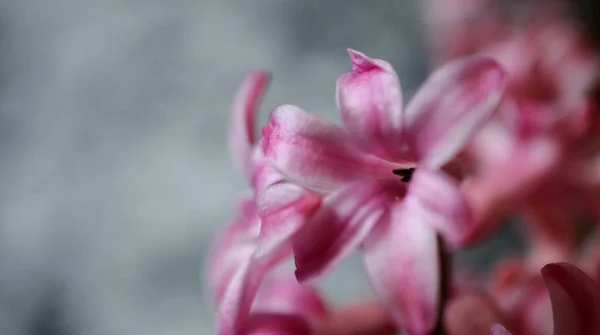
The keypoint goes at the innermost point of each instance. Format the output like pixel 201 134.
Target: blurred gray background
pixel 114 170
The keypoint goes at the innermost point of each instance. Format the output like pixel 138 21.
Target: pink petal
pixel 284 208
pixel 370 102
pixel 285 295
pixel 530 163
pixel 239 295
pixel 241 128
pixel 499 330
pixel 233 247
pixel 344 220
pixel 315 153
pixel 438 201
pixel 276 324
pixel 575 300
pixel 403 265
pixel 263 174
pixel 451 106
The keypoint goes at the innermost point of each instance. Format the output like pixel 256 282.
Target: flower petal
pixel 315 153
pixel 241 128
pixel 239 295
pixel 451 106
pixel 284 208
pixel 499 330
pixel 276 324
pixel 285 295
pixel 404 269
pixel 243 257
pixel 344 220
pixel 370 102
pixel 438 201
pixel 263 174
pixel 575 300
pixel 233 247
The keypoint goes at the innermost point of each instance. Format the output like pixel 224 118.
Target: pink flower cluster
pixel 504 126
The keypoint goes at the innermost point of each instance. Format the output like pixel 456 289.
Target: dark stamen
pixel 406 174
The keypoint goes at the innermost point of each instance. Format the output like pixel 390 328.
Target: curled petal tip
pixel 243 114
pixel 362 63
pixel 369 99
pixel 497 73
pixel 487 73
pixel 270 132
pixel 575 299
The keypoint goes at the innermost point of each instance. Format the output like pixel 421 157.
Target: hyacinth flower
pixel 523 298
pixel 546 125
pixel 250 246
pixel 280 306
pixel 458 28
pixel 563 300
pixel 574 299
pixel 381 173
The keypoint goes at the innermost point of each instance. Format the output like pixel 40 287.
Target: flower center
pixel 406 174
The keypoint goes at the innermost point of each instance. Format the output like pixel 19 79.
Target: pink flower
pixel 548 184
pixel 235 274
pixel 524 299
pixel 257 239
pixel 573 303
pixel 521 295
pixel 366 165
pixel 458 28
pixel 544 123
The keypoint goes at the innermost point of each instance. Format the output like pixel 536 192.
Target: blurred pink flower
pixel 258 238
pixel 458 28
pixel 363 167
pixel 546 124
pixel 573 302
pixel 569 297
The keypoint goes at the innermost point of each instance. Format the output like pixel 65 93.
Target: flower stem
pixel 445 258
